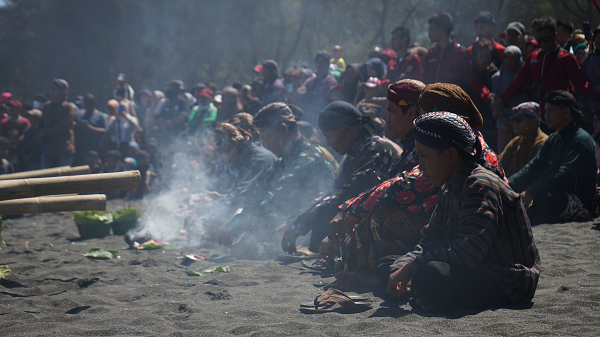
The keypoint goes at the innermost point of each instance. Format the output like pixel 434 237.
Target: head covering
pixel 403 94
pixel 131 162
pixel 378 65
pixel 16 104
pixel 339 113
pixel 564 99
pixel 270 64
pixel 5 98
pixel 506 77
pixel 258 68
pixel 485 17
pixel 527 109
pixel 441 130
pixel 121 77
pixel 450 97
pixel 206 93
pixel 389 53
pixel 517 27
pixel 579 46
pixel 62 84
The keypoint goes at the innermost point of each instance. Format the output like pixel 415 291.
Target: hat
pixel 516 26
pixel 485 17
pixel 59 82
pixel 527 109
pixel 403 94
pixel 5 98
pixel 373 82
pixel 206 92
pixel 563 99
pixel 121 77
pixel 440 130
pixel 258 68
pixel 16 104
pixel 78 99
pixel 579 46
pixel 451 98
pixel 218 98
pixel 339 113
pixel 389 53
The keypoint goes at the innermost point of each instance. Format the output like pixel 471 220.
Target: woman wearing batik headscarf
pixel 389 217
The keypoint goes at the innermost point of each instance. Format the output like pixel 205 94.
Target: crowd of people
pixel 442 158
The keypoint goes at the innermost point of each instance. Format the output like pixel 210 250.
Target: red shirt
pixel 410 65
pixel 6 124
pixel 564 70
pixel 446 66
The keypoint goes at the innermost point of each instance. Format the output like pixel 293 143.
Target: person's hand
pixel 399 281
pixel 336 227
pixel 527 198
pixel 327 248
pixel 225 238
pixel 288 243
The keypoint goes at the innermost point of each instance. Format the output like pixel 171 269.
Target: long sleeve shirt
pixel 479 222
pixel 445 65
pixel 519 151
pixel 57 128
pixel 409 65
pixel 287 188
pixel 567 162
pixel 363 167
pixel 563 70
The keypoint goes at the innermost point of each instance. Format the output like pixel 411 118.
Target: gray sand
pixel 54 291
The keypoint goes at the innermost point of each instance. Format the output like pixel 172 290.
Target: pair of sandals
pixel 334 300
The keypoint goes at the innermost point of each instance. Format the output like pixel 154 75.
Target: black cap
pixel 485 17
pixel 563 99
pixel 176 84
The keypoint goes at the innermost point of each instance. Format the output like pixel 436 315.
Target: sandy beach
pixel 55 291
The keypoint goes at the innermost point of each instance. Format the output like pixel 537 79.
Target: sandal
pixel 336 301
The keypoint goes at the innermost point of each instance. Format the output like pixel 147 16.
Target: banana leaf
pixel 101 254
pixel 92 217
pixel 128 214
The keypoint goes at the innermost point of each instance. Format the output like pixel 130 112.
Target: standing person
pixel 513 31
pixel 312 96
pixel 204 114
pixel 549 69
pixel 565 167
pixel 484 27
pixel 122 126
pixel 511 65
pixel 250 103
pixel 90 129
pixel 127 91
pixel 351 79
pixel 144 105
pixel 445 61
pixel 274 89
pixel 564 33
pixel 408 65
pixel 528 138
pixel 30 149
pixel 14 120
pixel 477 250
pixel 338 57
pixel 57 126
pixel 173 111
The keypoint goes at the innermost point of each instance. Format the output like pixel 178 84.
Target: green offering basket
pixel 124 220
pixel 93 224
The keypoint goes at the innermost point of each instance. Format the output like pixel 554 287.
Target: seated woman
pixel 388 218
pixel 477 250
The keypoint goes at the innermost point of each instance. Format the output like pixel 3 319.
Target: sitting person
pixel 477 250
pixel 367 156
pixel 528 138
pixel 397 210
pixel 312 135
pixel 301 174
pixel 565 166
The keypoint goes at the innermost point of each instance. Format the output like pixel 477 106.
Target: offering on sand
pixel 153 244
pixel 101 254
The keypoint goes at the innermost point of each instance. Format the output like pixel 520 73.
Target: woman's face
pixel 580 55
pixel 509 61
pixel 145 100
pixel 371 72
pixel 596 124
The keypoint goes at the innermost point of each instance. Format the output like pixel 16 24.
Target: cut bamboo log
pixel 87 183
pixel 51 172
pixel 92 202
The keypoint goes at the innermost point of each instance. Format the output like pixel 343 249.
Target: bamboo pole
pixel 51 172
pixel 92 202
pixel 87 183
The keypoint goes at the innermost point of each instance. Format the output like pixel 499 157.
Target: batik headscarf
pixel 450 97
pixel 441 130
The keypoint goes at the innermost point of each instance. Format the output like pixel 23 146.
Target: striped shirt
pixel 479 222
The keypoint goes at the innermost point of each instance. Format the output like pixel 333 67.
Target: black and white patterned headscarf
pixel 440 130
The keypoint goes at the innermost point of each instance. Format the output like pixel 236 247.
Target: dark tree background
pixel 88 42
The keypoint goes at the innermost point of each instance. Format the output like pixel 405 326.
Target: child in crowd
pixel 477 250
pixel 338 52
